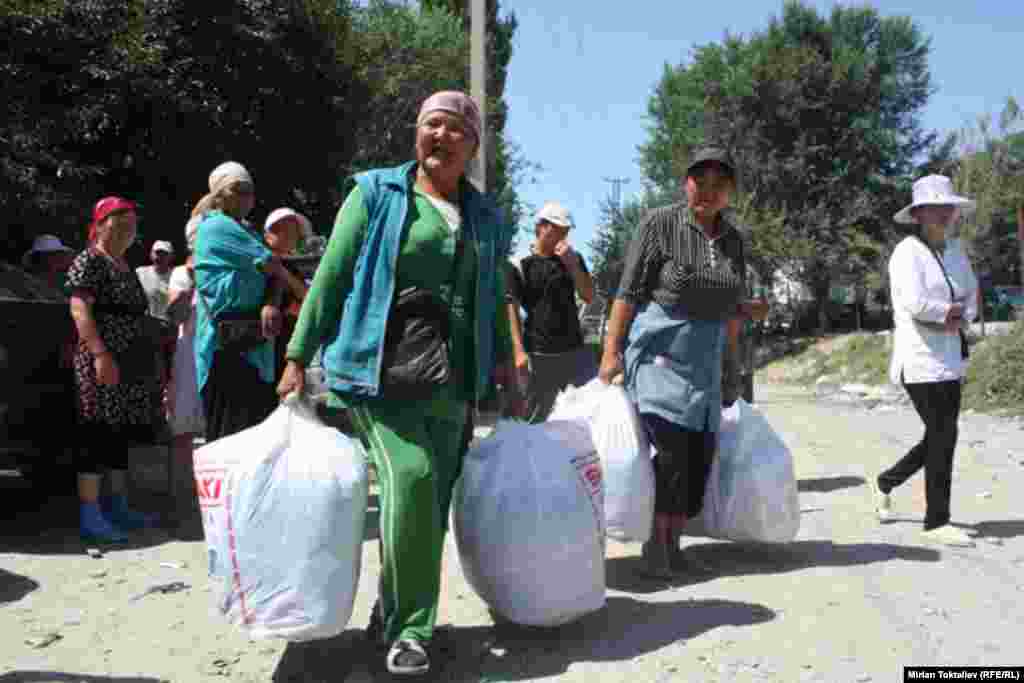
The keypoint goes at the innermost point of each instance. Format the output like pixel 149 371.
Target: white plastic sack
pixel 751 494
pixel 529 522
pixel 284 505
pixel 621 444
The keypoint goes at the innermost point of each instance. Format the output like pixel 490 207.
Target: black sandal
pixel 407 658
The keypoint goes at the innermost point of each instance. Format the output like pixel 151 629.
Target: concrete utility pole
pixel 478 84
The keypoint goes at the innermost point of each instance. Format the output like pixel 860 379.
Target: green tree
pixel 823 117
pixel 144 98
pixel 616 229
pixel 989 168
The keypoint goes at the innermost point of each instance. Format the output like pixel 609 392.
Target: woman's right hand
pixel 107 372
pixel 293 379
pixel 611 371
pixel 954 317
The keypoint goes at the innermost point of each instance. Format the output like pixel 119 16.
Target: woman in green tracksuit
pixel 418 225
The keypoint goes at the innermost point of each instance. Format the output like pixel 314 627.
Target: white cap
pixel 280 214
pixel 933 190
pixel 162 245
pixel 553 212
pixel 44 244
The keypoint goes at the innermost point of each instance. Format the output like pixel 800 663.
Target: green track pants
pixel 418 459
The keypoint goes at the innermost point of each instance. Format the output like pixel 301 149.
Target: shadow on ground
pixel 61 677
pixel 1002 528
pixel 14 587
pixel 828 484
pixel 41 522
pixel 725 559
pixel 624 630
pixel 331 659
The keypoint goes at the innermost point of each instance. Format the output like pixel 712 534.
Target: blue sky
pixel 582 73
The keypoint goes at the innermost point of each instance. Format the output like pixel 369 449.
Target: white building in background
pixel 786 290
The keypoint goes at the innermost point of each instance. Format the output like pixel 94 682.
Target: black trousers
pixel 938 404
pixel 235 398
pixel 681 467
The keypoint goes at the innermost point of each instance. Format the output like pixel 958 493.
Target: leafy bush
pixel 995 377
pixel 861 358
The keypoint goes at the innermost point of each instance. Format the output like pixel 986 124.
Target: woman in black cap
pixel 681 296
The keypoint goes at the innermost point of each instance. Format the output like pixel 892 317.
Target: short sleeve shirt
pixel 544 287
pixel 155 285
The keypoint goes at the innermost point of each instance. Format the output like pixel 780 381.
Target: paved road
pixel 850 600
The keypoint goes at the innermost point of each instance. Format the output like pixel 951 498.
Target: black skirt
pixel 235 398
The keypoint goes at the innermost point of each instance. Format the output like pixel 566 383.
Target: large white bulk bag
pixel 284 506
pixel 529 522
pixel 622 445
pixel 752 493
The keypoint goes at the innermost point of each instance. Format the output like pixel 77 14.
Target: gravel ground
pixel 849 600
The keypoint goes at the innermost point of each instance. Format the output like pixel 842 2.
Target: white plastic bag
pixel 622 445
pixel 751 494
pixel 284 506
pixel 529 522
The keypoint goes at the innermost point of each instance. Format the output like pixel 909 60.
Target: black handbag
pixel 239 332
pixel 236 331
pixel 416 356
pixel 416 345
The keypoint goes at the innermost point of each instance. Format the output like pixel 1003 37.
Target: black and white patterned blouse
pixel 671 261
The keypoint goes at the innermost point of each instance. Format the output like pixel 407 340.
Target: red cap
pixel 104 208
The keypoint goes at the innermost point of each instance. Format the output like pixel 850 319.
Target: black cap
pixel 708 153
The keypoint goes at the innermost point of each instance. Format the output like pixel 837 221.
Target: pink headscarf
pixel 454 102
pixel 104 208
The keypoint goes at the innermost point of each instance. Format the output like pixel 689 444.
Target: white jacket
pixel 922 350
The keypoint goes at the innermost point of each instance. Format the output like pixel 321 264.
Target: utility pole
pixel 617 184
pixel 478 84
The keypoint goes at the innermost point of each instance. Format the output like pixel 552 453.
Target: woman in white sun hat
pixel 932 304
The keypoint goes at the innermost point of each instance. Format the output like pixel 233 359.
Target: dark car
pixel 36 397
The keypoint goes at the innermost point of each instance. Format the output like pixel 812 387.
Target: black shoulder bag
pixel 416 355
pixel 237 332
pixel 965 351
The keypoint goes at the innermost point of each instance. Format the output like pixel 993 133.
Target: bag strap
pixel 949 283
pixel 942 267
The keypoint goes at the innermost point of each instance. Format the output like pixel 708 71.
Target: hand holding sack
pixel 625 455
pixel 529 522
pixel 284 507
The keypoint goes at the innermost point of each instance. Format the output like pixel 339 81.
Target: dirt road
pixel 850 600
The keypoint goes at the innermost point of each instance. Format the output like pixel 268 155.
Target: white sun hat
pixel 282 213
pixel 44 244
pixel 934 190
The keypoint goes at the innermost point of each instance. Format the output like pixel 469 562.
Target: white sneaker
pixel 883 503
pixel 947 534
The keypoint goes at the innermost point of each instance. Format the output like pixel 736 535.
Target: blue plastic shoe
pixel 93 526
pixel 123 516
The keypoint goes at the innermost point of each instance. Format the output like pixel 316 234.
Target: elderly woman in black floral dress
pixel 118 403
